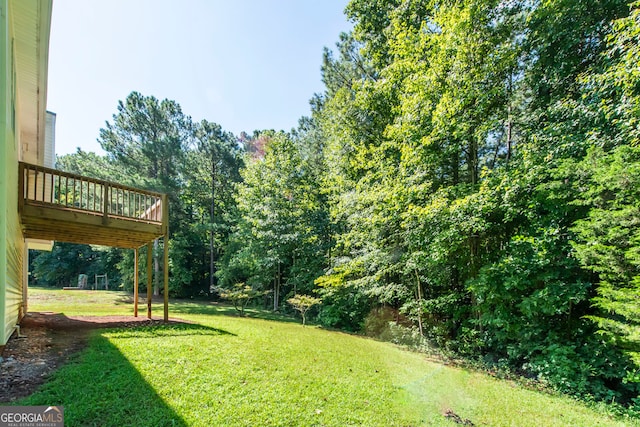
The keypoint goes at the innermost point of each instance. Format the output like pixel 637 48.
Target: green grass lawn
pixel 226 370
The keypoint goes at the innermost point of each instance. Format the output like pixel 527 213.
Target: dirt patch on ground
pixel 46 342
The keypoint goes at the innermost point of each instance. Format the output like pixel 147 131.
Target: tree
pixel 303 303
pixel 240 295
pixel 608 238
pixel 149 138
pixel 453 168
pixel 282 226
pixel 208 175
pixel 66 261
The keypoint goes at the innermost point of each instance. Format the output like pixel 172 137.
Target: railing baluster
pixel 35 185
pixel 66 191
pixel 25 191
pixel 41 185
pixel 105 213
pixel 59 195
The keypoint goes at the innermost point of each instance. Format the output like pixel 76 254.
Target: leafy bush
pixel 343 308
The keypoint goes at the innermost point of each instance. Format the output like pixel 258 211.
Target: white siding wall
pixel 23 78
pixel 13 295
pixel 7 148
pixel 12 245
pixel 13 248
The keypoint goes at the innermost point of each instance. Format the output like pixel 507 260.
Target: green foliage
pixel 66 261
pixel 608 241
pixel 240 295
pixel 303 304
pixel 281 233
pixel 458 186
pixel 148 138
pixel 152 144
pixel 344 307
pixel 473 166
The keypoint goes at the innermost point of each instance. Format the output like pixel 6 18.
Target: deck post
pixel 166 278
pixel 135 282
pixel 165 223
pixel 149 278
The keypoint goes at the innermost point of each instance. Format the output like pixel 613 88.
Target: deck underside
pixel 67 225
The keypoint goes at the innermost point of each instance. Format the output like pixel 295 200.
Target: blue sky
pixel 245 64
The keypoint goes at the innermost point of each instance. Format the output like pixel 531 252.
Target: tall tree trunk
pixel 455 164
pixel 472 161
pixel 419 302
pixel 276 289
pixel 212 259
pixel 509 119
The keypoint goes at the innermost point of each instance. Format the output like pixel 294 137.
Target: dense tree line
pixel 473 165
pixel 152 144
pixel 482 161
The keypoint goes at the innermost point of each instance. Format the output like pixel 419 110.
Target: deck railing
pixel 53 188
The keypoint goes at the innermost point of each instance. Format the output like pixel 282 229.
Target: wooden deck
pixel 65 207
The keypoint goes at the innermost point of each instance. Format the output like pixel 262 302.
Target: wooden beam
pixel 135 282
pixel 149 278
pixel 49 223
pixel 64 214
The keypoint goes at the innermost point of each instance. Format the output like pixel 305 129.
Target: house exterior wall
pixel 5 138
pixel 24 49
pixel 11 241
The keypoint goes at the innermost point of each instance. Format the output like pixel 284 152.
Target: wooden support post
pixel 165 223
pixel 149 278
pixel 166 278
pixel 135 282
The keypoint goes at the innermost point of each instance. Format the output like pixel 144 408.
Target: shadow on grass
pixel 128 324
pixel 219 309
pixel 172 329
pixel 101 388
pixel 203 307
